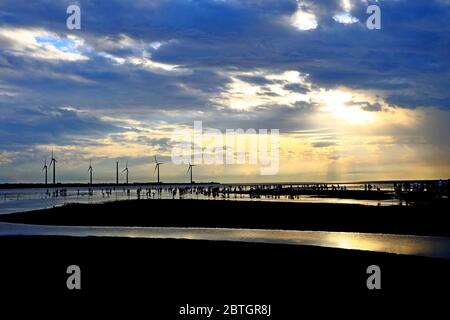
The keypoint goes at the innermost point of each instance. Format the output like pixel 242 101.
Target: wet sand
pixel 427 219
pixel 158 276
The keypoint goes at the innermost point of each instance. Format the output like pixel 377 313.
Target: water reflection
pixel 20 200
pixel 436 247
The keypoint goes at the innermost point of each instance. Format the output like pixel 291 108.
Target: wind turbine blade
pixel 188 169
pixel 155 168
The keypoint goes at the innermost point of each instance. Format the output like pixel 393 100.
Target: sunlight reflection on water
pixel 428 246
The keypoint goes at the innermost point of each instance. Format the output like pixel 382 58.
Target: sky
pixel 350 103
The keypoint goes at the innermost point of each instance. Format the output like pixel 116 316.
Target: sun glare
pixel 336 103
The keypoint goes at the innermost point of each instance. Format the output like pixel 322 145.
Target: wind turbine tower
pixel 117 172
pixel 45 168
pixel 90 173
pixel 126 170
pixel 53 162
pixel 157 164
pixel 190 169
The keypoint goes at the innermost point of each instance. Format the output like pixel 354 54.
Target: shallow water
pixel 20 200
pixel 427 246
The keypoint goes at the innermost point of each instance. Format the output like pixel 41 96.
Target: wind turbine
pixel 126 169
pixel 45 168
pixel 117 172
pixel 53 161
pixel 157 164
pixel 90 172
pixel 190 169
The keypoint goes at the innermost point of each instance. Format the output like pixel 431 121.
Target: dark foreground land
pixel 429 219
pixel 159 276
pixel 156 277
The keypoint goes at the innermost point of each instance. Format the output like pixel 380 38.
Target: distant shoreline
pixel 95 185
pixel 162 184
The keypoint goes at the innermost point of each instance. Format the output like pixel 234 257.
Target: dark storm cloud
pixel 49 126
pixel 407 60
pixel 366 106
pixel 412 46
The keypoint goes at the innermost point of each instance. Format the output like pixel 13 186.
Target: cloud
pixel 39 44
pixel 345 18
pixel 303 20
pixel 323 144
pixel 138 69
pixel 58 126
pixel 367 106
pixel 271 89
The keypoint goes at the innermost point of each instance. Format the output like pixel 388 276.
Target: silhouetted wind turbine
pixel 157 164
pixel 190 169
pixel 45 168
pixel 117 172
pixel 53 161
pixel 90 172
pixel 126 169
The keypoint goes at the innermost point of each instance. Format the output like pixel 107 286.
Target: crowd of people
pixel 440 187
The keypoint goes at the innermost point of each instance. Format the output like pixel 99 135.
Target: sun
pixel 338 104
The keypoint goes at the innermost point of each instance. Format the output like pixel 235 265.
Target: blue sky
pixel 350 103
